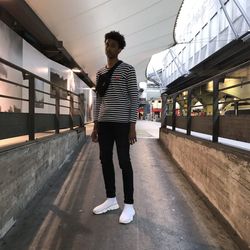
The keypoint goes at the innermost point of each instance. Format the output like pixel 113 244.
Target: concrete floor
pixel 169 214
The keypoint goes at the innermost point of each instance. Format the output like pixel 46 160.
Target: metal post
pixel 215 110
pixel 236 108
pixel 31 117
pixel 81 109
pixel 57 115
pixel 189 118
pixel 71 111
pixel 228 19
pixel 174 113
pixel 164 111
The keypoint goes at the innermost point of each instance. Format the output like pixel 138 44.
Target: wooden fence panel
pixel 76 120
pixel 169 121
pixel 235 127
pixel 202 124
pixel 13 124
pixel 44 122
pixel 181 122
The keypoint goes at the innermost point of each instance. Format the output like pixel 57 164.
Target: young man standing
pixel 115 118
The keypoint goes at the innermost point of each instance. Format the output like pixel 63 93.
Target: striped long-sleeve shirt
pixel 120 102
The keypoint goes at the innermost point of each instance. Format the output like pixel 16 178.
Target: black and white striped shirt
pixel 120 102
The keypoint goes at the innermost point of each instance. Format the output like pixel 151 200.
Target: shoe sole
pixel 113 207
pixel 127 222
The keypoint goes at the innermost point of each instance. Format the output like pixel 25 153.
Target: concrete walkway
pixel 169 214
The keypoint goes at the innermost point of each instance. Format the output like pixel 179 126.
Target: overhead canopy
pixel 148 27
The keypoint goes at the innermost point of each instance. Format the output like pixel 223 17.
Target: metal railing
pixel 15 122
pixel 212 108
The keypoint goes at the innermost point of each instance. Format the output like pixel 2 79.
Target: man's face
pixel 112 48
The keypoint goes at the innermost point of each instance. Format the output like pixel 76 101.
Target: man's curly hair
pixel 115 35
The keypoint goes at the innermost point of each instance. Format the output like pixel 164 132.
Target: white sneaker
pixel 109 204
pixel 127 214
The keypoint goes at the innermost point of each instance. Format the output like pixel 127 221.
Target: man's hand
pixel 94 136
pixel 132 134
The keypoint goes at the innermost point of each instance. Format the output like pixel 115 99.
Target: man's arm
pixel 132 133
pixel 134 102
pixel 94 134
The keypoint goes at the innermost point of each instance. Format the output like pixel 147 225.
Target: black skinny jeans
pixel 108 133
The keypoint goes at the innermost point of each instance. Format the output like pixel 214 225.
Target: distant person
pixel 115 118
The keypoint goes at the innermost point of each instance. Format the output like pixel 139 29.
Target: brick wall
pixel 220 172
pixel 25 169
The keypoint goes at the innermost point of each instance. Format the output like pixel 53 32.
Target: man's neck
pixel 111 62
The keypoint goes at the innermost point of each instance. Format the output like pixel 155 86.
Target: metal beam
pixel 215 110
pixel 189 118
pixel 155 72
pixel 57 116
pixel 31 116
pixel 174 113
pixel 228 19
pixel 164 111
pixel 176 63
pixel 244 14
pixel 71 111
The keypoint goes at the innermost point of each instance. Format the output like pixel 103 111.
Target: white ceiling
pixel 148 27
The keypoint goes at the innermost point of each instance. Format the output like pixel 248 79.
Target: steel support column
pixel 31 119
pixel 71 111
pixel 81 109
pixel 189 118
pixel 215 110
pixel 57 116
pixel 174 113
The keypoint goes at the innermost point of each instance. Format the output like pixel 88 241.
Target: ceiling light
pixel 76 70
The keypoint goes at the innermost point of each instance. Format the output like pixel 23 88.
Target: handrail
pixel 12 97
pixel 32 122
pixel 219 125
pixel 14 83
pixel 26 72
